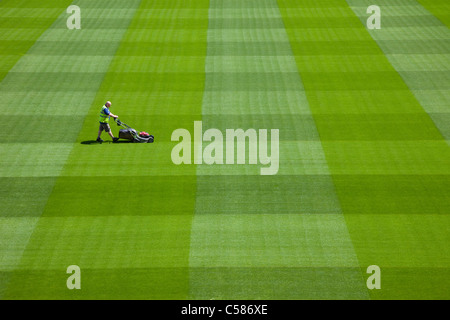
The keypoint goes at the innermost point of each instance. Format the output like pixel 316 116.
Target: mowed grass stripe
pixel 439 8
pixel 28 171
pixel 427 76
pixel 424 74
pixel 29 168
pixel 133 226
pixel 52 97
pixel 248 226
pixel 381 183
pixel 29 24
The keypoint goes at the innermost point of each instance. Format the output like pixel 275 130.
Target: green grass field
pixel 364 149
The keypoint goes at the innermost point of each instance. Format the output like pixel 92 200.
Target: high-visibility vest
pixel 104 118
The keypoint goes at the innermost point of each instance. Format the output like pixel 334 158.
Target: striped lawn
pixel 420 64
pixel 364 150
pixel 44 102
pixel 127 228
pixel 254 236
pixel 388 160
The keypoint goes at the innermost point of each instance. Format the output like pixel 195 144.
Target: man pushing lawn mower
pixel 127 133
pixel 105 114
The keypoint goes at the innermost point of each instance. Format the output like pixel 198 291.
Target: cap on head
pixel 108 104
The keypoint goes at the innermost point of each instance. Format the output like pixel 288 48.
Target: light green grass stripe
pixel 252 35
pixel 420 62
pixel 28 13
pixel 15 231
pixel 271 240
pixel 33 160
pixel 48 103
pixel 256 102
pixel 426 33
pixel 93 35
pixel 56 64
pixel 35 96
pixel 432 70
pixel 239 224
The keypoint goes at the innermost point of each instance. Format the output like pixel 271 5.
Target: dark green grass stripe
pixel 362 194
pixel 276 195
pixel 133 195
pixel 52 81
pixel 101 284
pixel 23 197
pixel 393 194
pixel 15 47
pixel 377 127
pixel 27 126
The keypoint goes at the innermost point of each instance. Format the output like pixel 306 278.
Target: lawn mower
pixel 132 135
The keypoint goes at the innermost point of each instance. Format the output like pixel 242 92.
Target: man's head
pixel 108 104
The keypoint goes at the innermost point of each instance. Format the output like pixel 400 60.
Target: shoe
pixel 99 140
pixel 115 139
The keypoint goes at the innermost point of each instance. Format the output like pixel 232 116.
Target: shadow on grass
pixel 89 142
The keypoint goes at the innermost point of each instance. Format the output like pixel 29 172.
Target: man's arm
pixel 113 115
